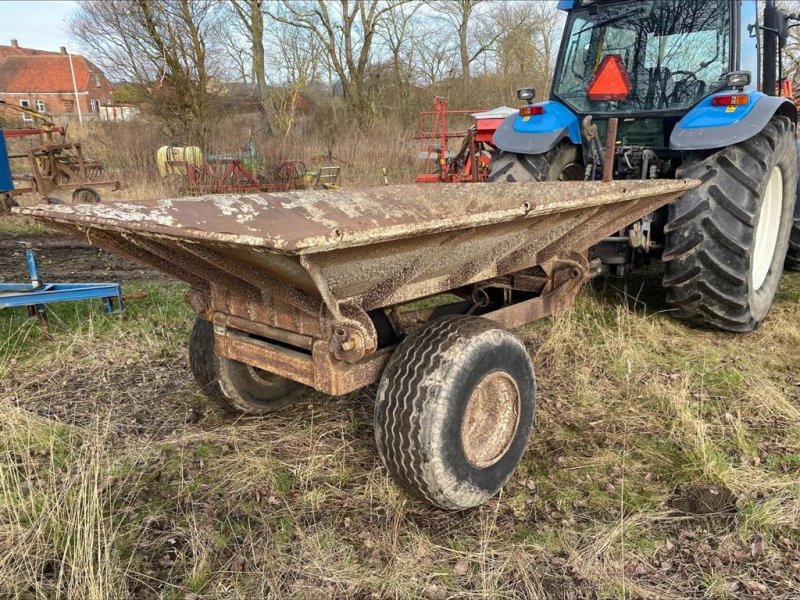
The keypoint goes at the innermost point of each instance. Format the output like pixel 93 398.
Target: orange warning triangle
pixel 610 81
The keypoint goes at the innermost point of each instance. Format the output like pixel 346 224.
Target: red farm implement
pixel 474 129
pixel 229 173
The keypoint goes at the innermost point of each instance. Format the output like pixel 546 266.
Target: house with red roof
pixel 54 82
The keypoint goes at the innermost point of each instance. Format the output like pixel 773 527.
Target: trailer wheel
pixel 454 410
pixel 559 164
pixel 7 202
pixel 85 196
pixel 726 239
pixel 232 384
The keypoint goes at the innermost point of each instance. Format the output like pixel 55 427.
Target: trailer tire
pixel 725 241
pixel 454 410
pixel 234 385
pixel 559 164
pixel 793 254
pixel 7 202
pixel 85 196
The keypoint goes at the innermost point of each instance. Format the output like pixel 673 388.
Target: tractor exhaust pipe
pixel 769 83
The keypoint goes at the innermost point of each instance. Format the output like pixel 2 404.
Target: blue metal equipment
pixel 36 295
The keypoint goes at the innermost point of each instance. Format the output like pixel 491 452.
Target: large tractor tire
pixel 793 254
pixel 454 411
pixel 235 386
pixel 559 164
pixel 726 239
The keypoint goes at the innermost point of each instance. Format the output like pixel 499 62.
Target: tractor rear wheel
pixel 234 385
pixel 793 254
pixel 454 410
pixel 726 239
pixel 559 164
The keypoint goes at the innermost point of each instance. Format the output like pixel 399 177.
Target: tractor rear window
pixel 669 53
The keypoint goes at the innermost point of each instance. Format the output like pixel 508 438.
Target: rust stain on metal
pixel 611 148
pixel 303 269
pixel 312 221
pixel 491 418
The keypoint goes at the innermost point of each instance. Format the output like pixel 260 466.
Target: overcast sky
pixel 38 24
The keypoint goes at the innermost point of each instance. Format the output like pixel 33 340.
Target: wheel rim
pixel 769 223
pixel 572 172
pixel 490 419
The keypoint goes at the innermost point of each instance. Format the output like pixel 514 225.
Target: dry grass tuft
pixel 119 481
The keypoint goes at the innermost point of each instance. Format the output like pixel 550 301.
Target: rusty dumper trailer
pixel 324 289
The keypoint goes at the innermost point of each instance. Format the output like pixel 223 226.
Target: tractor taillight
pixel 531 111
pixel 730 100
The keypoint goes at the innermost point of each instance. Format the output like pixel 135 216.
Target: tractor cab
pixel 653 57
pixel 650 62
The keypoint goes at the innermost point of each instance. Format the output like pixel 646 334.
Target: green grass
pixel 119 480
pixel 14 225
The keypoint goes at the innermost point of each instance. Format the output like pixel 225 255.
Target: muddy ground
pixel 63 259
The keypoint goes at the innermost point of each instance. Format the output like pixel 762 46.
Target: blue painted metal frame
pixel 707 127
pixel 6 183
pixel 36 294
pixel 538 133
pixel 15 294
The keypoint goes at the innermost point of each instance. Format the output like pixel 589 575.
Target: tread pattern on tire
pixel 399 401
pixel 793 254
pixel 509 167
pixel 709 234
pixel 203 360
pixel 209 370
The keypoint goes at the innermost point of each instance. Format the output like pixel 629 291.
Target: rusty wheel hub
pixel 490 419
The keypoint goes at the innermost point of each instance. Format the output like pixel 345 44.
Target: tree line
pixel 362 59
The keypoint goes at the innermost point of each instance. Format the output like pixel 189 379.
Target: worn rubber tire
pixel 793 253
pixel 559 164
pixel 236 386
pixel 85 196
pixel 422 404
pixel 711 232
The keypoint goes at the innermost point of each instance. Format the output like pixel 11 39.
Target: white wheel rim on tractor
pixel 769 224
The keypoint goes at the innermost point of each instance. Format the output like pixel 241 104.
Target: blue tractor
pixel 694 88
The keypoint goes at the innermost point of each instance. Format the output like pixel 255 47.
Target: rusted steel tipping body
pixel 311 285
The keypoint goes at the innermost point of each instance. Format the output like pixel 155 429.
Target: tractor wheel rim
pixel 491 419
pixel 769 224
pixel 572 172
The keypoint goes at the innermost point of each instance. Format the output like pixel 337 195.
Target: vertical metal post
pixel 75 89
pixel 611 146
pixel 473 156
pixel 33 269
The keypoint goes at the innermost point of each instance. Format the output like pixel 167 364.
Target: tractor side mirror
pixel 738 79
pixel 526 94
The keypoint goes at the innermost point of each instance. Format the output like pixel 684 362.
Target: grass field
pixel 665 463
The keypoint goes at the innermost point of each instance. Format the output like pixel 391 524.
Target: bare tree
pixel 252 18
pixel 434 57
pixel 400 37
pixel 346 29
pixel 471 22
pixel 160 45
pixel 525 49
pixel 297 60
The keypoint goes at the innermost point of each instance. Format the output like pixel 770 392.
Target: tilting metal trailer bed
pixel 325 289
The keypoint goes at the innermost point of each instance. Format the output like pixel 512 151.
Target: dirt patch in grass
pixel 665 463
pixel 64 259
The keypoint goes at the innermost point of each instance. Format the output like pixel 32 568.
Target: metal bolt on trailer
pixel 320 289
